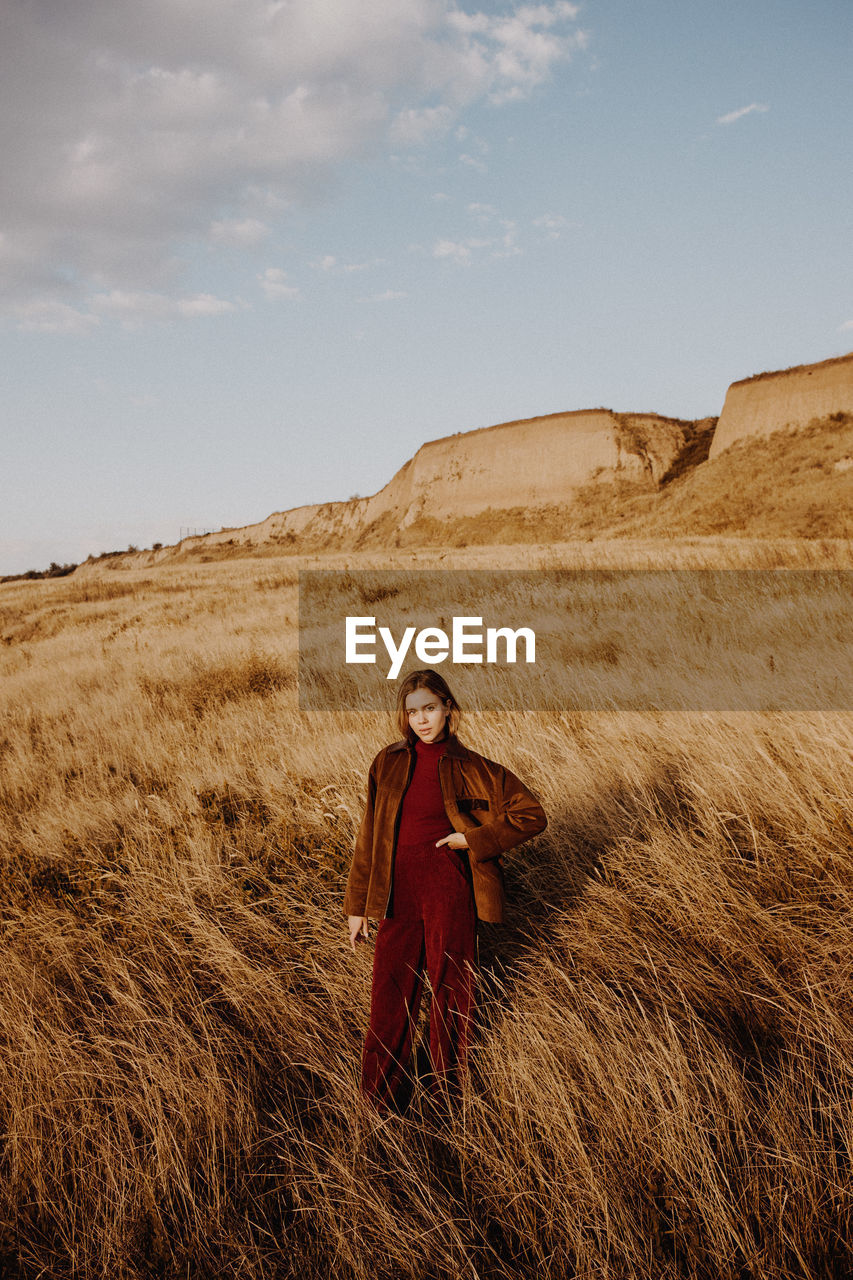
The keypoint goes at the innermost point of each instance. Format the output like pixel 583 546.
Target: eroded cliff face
pixel 541 468
pixel 789 397
pixel 534 462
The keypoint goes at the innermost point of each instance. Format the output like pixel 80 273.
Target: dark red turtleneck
pixel 423 817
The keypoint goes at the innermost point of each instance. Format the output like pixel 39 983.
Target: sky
pixel 254 253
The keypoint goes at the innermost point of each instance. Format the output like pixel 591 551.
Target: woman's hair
pixel 426 679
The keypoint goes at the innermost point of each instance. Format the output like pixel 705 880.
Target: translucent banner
pixel 584 640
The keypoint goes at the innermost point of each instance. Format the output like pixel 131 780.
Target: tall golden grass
pixel 662 1080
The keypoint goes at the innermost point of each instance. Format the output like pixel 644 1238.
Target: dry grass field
pixel 662 1080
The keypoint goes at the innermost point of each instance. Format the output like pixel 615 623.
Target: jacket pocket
pixel 466 803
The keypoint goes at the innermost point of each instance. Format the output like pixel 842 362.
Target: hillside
pixel 533 463
pixel 787 397
pixel 592 472
pixel 791 484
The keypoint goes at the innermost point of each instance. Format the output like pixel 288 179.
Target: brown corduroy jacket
pixel 484 800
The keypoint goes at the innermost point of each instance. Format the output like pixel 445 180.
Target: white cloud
pixel 504 233
pixel 202 304
pixel 244 233
pixel 411 163
pixel 473 162
pixel 553 224
pixel 513 53
pixel 469 23
pixel 52 316
pixel 455 250
pixel 482 212
pixel 134 307
pixel 732 116
pixel 142 126
pixel 461 251
pixel 275 286
pixel 390 295
pixel 417 125
pixel 499 238
pixel 505 246
pixel 848 324
pixel 330 264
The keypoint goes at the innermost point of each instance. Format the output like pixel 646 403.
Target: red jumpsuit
pixel 431 924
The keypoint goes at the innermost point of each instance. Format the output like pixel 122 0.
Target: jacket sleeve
pixel 355 898
pixel 520 816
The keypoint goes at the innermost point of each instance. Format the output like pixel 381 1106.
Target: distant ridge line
pixel 565 413
pixel 794 368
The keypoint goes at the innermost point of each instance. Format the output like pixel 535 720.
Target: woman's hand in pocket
pixel 456 840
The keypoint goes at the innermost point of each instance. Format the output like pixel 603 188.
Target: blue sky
pixel 254 254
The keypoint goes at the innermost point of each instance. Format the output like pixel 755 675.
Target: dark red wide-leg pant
pixel 434 928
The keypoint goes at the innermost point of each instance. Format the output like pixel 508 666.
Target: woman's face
pixel 427 714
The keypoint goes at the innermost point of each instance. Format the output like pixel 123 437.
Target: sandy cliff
pixel 560 467
pixel 790 397
pixel 530 463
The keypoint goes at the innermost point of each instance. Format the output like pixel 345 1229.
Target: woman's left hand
pixel 456 840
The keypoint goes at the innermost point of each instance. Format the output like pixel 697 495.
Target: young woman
pixel 427 865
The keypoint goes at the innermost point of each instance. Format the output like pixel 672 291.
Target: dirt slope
pixel 592 473
pixel 531 463
pixel 790 397
pixel 795 483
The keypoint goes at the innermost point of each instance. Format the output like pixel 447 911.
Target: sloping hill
pixel 777 464
pixel 533 463
pixel 796 483
pixel 788 397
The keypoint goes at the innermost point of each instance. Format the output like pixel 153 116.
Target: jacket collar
pixel 454 747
